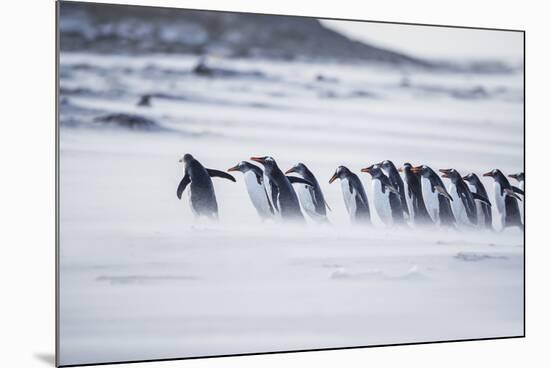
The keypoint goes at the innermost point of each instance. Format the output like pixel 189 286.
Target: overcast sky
pixel 436 42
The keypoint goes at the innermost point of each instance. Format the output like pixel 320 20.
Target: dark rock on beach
pixel 145 101
pixel 204 70
pixel 128 121
pixel 324 78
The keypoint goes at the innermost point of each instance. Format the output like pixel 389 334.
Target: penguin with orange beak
pixel 437 199
pixel 254 181
pixel 413 196
pixel 355 197
pixel 283 198
pixel 385 197
pixel 311 196
pixel 484 211
pixel 201 190
pixel 520 177
pixel 464 201
pixel 506 199
pixel 397 182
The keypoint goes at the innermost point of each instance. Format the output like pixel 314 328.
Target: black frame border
pixel 57 190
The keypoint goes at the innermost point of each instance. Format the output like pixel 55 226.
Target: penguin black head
pixel 451 174
pixel 267 161
pixel 374 170
pixel 422 170
pixel 187 158
pixel 495 174
pixel 242 166
pixel 406 168
pixel 499 177
pixel 519 176
pixel 299 168
pixel 471 178
pixel 387 165
pixel 340 173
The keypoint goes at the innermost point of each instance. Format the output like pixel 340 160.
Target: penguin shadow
pixel 47 358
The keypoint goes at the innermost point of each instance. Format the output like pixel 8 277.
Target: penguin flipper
pixel 294 179
pixel 259 178
pixel 517 190
pixel 271 209
pixel 481 198
pixel 326 204
pixel 442 191
pixel 183 183
pixel 511 193
pixel 220 174
pixel 392 189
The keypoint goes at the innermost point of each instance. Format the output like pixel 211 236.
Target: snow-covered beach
pixel 140 278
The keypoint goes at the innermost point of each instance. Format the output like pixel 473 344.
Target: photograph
pixel 242 183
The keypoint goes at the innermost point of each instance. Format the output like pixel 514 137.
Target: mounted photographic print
pixel 236 183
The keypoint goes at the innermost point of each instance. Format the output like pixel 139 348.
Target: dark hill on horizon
pixel 104 28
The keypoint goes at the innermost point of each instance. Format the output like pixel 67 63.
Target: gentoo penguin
pixel 283 198
pixel 354 194
pixel 254 181
pixel 464 201
pixel 311 197
pixel 520 177
pixel 201 192
pixel 395 180
pixel 484 212
pixel 506 198
pixel 385 196
pixel 437 199
pixel 414 197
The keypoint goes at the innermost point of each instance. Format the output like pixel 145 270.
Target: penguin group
pixel 405 196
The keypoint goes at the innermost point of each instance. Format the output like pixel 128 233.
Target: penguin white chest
pixel 349 197
pixel 306 199
pixel 409 198
pixel 457 205
pixel 257 193
pixel 267 186
pixel 381 202
pixel 499 198
pixel 472 188
pixel 430 199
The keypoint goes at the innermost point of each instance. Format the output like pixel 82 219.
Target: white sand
pixel 141 279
